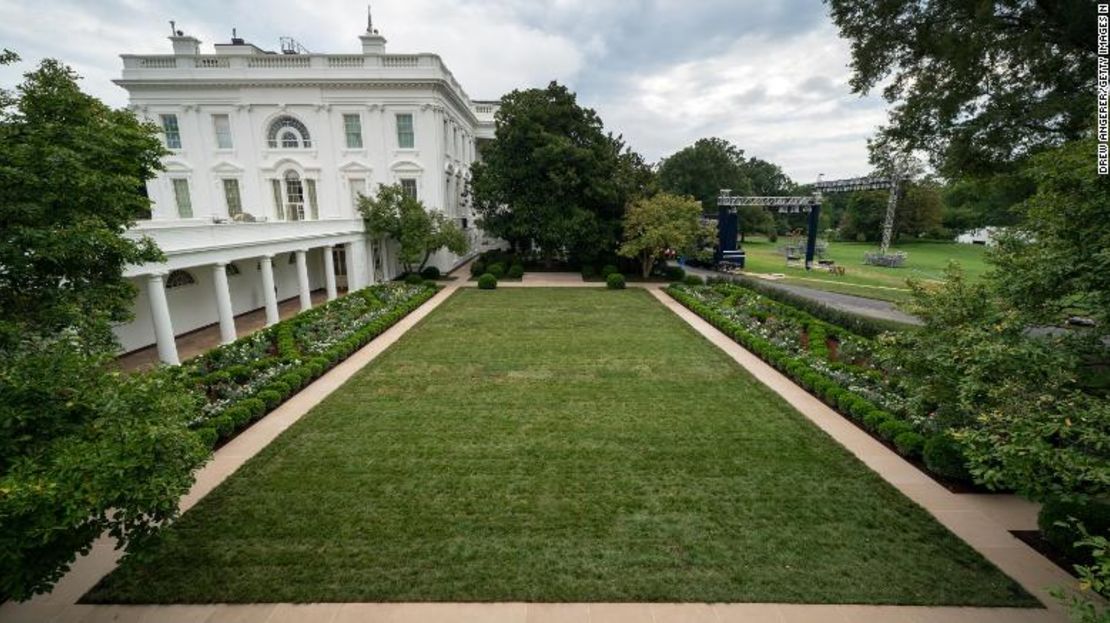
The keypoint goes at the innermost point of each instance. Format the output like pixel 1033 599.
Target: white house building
pixel 269 152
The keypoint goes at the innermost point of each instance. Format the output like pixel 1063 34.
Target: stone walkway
pixel 981 520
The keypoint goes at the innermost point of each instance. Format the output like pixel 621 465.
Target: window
pixel 288 133
pixel 408 186
pixel 294 196
pixel 181 197
pixel 313 208
pixel 178 278
pixel 222 125
pixel 231 194
pixel 405 136
pixel 358 187
pixel 352 126
pixel 171 131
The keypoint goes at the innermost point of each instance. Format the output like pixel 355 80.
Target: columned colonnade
pixel 359 269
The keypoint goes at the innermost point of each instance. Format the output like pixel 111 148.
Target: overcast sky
pixel 770 76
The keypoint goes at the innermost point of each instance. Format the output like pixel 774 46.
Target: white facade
pixel 268 155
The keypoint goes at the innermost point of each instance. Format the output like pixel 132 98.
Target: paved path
pixel 981 520
pixel 863 306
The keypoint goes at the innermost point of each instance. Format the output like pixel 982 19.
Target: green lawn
pixel 926 260
pixel 556 445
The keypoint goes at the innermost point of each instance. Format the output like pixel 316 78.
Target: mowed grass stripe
pixel 556 445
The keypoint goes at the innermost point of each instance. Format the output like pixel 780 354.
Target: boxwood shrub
pixel 615 281
pixel 477 267
pixel 414 279
pixel 430 273
pixel 497 270
pixel 675 273
pixel 487 282
pixel 607 270
pixel 516 271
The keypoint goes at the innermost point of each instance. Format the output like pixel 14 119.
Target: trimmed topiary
pixel 497 270
pixel 693 280
pixel 1057 523
pixel 675 273
pixel 270 397
pixel 516 271
pixel 615 281
pixel 875 419
pixel 223 424
pixel 208 436
pixel 414 279
pixel 588 271
pixel 431 273
pixel 477 268
pixel 890 429
pixel 909 443
pixel 607 270
pixel 944 456
pixel 487 282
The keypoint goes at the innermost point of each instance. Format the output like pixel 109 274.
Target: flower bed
pixel 248 378
pixel 828 360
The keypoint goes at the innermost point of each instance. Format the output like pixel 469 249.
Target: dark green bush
pixel 270 397
pixel 875 419
pixel 239 416
pixel 943 455
pixel 615 281
pixel 497 270
pixel 487 282
pixel 607 270
pixel 477 267
pixel 516 271
pixel 1094 515
pixel 223 424
pixel 675 273
pixel 431 273
pixel 255 407
pixel 414 279
pixel 693 280
pixel 909 443
pixel 890 429
pixel 588 271
pixel 208 436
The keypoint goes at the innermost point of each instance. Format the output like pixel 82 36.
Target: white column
pixel 329 272
pixel 356 264
pixel 387 265
pixel 302 280
pixel 163 326
pixel 223 303
pixel 371 277
pixel 268 291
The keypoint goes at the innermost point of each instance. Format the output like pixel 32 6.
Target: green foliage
pixel 419 232
pixel 607 270
pixel 909 443
pixel 497 270
pixel 477 267
pixel 1057 261
pixel 953 97
pixel 82 451
pixel 944 455
pixel 675 273
pixel 588 271
pixel 655 225
pixel 431 273
pixel 414 279
pixel 1062 522
pixel 71 170
pixel 615 281
pixel 552 177
pixel 516 271
pixel 693 280
pixel 487 282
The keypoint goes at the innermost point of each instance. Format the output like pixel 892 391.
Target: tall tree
pixel 71 175
pixel 419 232
pixel 703 169
pixel 553 177
pixel 978 85
pixel 83 449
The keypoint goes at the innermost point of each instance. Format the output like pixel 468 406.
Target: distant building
pixel 269 152
pixel 983 235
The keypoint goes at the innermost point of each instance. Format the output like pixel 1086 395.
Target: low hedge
pixel 615 281
pixel 1058 521
pixel 487 282
pixel 297 368
pixel 882 424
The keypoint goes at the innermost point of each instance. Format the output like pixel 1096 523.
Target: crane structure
pixel 810 204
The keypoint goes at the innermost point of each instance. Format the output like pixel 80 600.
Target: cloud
pixel 769 76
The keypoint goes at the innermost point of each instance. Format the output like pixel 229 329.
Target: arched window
pixel 288 133
pixel 178 278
